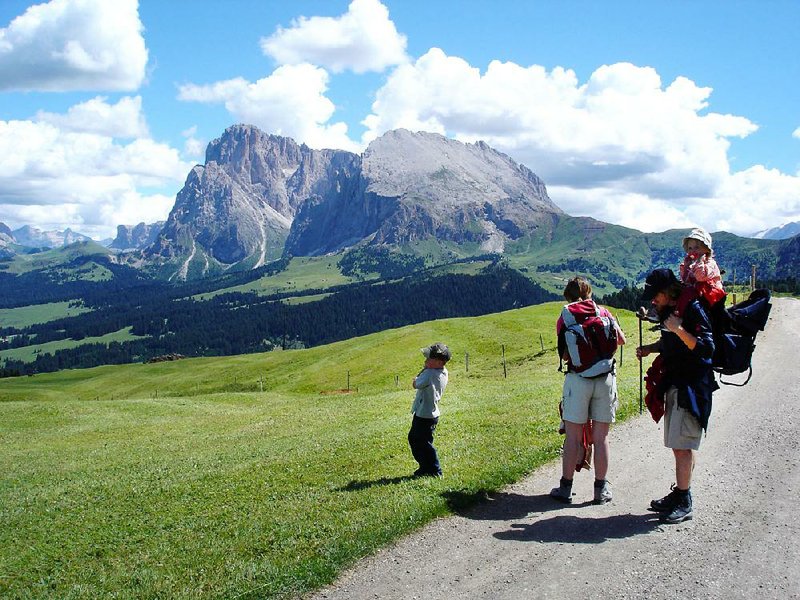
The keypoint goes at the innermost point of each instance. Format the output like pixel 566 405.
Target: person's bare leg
pixel 684 465
pixel 601 451
pixel 572 448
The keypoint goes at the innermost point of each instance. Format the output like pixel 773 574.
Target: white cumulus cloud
pixel 67 45
pixel 363 39
pixel 124 119
pixel 622 146
pixel 755 199
pixel 192 146
pixel 290 102
pixel 87 181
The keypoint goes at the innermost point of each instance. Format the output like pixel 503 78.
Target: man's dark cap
pixel 437 350
pixel 658 281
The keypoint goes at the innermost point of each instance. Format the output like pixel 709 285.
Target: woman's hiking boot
pixel 602 491
pixel 563 493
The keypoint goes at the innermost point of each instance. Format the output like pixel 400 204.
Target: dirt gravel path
pixel 744 541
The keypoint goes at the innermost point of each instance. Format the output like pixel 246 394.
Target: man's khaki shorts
pixel 681 429
pixel 594 398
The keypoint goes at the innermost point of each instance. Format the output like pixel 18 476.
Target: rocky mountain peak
pixel 6 238
pixel 414 186
pixel 5 230
pixel 259 196
pixel 236 210
pixel 450 172
pixel 259 160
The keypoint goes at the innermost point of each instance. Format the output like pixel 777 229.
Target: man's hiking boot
pixel 602 492
pixel 682 512
pixel 667 503
pixel 563 493
pixel 680 507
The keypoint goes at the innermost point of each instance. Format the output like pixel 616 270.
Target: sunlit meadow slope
pixel 185 479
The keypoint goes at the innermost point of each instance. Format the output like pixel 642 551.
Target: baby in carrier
pixel 699 269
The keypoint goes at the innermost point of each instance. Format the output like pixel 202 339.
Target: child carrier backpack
pixel 589 337
pixel 735 332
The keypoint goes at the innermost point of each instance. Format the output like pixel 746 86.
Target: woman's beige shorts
pixel 594 398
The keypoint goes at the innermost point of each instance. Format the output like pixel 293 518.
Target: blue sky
pixel 651 115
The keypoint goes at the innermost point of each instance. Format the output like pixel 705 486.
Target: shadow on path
pixel 501 506
pixel 581 530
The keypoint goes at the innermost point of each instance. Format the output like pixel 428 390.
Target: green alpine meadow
pixel 264 475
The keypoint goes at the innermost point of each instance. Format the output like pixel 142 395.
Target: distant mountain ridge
pixel 410 201
pixel 783 232
pixel 36 238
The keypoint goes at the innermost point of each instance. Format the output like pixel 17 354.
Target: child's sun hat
pixel 699 234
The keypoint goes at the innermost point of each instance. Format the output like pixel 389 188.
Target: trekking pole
pixel 641 374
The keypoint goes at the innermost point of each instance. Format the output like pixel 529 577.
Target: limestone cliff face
pixel 237 209
pixel 260 196
pixel 136 237
pixel 6 238
pixel 418 185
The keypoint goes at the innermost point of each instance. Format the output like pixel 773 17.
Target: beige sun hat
pixel 699 234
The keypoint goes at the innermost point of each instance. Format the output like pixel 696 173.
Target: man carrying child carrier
pixel 686 381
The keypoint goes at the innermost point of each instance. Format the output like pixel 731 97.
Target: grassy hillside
pixel 59 258
pixel 610 256
pixel 184 479
pixel 302 273
pixel 29 353
pixel 24 316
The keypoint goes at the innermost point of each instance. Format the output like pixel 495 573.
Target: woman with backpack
pixel 588 336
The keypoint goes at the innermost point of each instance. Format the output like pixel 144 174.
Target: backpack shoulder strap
pixel 744 383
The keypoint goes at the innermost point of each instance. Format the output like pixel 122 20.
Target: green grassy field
pixel 24 316
pixel 303 273
pixel 185 480
pixel 28 353
pixel 320 272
